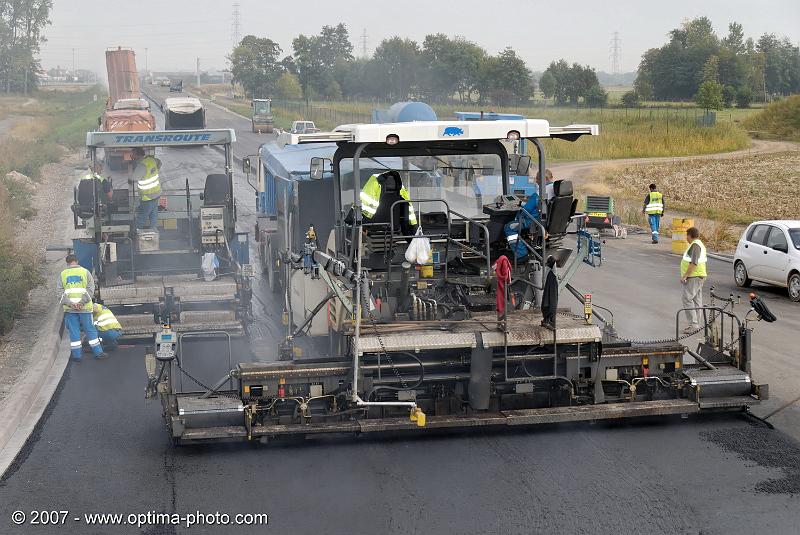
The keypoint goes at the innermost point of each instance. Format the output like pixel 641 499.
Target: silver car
pixel 769 252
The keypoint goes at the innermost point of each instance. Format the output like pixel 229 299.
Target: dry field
pixel 730 193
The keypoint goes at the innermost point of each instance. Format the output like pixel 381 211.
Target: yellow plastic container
pixel 679 228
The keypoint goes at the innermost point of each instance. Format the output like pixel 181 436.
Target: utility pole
pixel 364 43
pixel 197 72
pixel 236 26
pixel 615 53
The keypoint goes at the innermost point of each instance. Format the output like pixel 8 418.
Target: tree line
pixel 695 63
pixel 21 24
pixel 440 68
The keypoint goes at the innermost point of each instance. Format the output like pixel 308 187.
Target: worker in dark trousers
pixel 654 208
pixel 550 295
pixel 77 285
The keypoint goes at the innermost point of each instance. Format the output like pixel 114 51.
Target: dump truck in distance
pixel 123 85
pixel 183 113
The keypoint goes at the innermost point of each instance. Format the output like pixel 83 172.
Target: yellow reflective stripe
pixel 75 344
pixel 77 290
pixel 106 322
pixel 147 182
pixel 94 342
pixel 105 316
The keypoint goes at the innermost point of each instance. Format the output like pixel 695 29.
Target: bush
pixel 596 97
pixel 630 99
pixel 288 87
pixel 18 274
pixel 744 97
pixel 780 119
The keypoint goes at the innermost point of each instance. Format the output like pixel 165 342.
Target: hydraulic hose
pixel 396 388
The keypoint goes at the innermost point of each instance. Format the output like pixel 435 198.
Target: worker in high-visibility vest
pixel 654 208
pixel 108 327
pixel 371 195
pixel 77 286
pixel 693 275
pixel 145 174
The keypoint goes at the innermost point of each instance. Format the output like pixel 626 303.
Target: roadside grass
pixel 779 120
pixel 624 133
pixel 727 193
pixel 53 122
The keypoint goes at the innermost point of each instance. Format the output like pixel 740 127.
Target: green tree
pixel 709 96
pixel 711 70
pixel 506 79
pixel 781 65
pixel 288 87
pixel 630 99
pixel 315 58
pixel 596 97
pixel 21 25
pixel 728 95
pixel 547 85
pixel 744 96
pixel 395 65
pixel 255 65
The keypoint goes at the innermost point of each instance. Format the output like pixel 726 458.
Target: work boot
pixel 102 355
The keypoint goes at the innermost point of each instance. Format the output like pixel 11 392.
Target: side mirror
pixel 317 169
pixel 246 165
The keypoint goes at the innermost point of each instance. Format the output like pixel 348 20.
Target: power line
pixel 235 29
pixel 615 53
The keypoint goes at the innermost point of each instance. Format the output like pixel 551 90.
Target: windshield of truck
pixel 261 108
pixel 794 233
pixel 464 182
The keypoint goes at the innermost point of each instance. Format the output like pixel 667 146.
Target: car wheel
pixel 794 287
pixel 740 275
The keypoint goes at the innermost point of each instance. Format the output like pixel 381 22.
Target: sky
pixel 170 36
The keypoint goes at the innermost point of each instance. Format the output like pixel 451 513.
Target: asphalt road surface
pixel 100 448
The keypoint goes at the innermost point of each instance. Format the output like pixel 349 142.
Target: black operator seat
pixel 391 184
pixel 88 192
pixel 560 208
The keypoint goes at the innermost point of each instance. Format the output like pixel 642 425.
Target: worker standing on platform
pixel 654 208
pixel 108 327
pixel 147 182
pixel 693 275
pixel 77 285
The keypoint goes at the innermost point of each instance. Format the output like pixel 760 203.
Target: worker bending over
pixel 95 172
pixel 654 208
pixel 693 275
pixel 522 223
pixel 149 186
pixel 108 327
pixel 77 285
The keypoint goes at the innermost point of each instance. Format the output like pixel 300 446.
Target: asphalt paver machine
pixel 457 339
pixel 151 278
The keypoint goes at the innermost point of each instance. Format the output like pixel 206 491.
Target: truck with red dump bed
pixel 123 85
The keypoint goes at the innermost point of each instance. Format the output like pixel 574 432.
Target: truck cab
pixel 262 120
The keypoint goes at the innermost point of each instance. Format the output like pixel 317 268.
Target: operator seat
pixel 560 208
pixel 391 184
pixel 216 190
pixel 88 192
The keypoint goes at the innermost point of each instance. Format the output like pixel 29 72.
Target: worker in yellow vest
pixel 108 327
pixel 148 184
pixel 693 275
pixel 654 208
pixel 77 286
pixel 371 196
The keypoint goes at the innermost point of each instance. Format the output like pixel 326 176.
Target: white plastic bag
pixel 419 250
pixel 210 264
